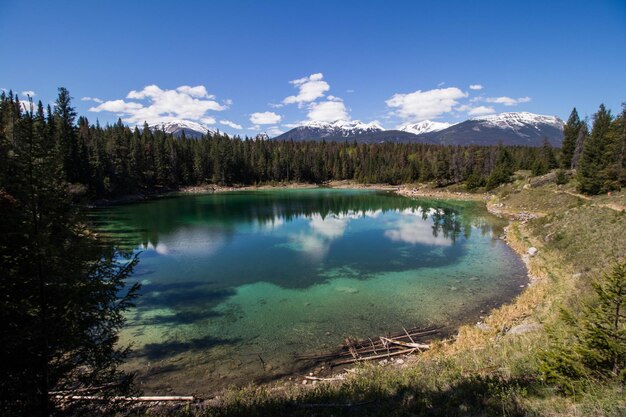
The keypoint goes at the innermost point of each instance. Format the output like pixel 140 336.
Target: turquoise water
pixel 230 278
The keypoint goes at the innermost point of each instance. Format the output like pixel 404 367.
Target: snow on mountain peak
pixel 175 126
pixel 344 127
pixel 424 127
pixel 520 119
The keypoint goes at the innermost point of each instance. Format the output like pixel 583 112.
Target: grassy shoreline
pixel 486 369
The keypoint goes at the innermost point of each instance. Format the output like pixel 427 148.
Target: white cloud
pixel 29 93
pixel 477 111
pixel 309 89
pixel 265 118
pixel 198 91
pixel 208 120
pixel 274 131
pixel 157 105
pixel 328 111
pixel 414 230
pixel 94 99
pixel 350 91
pixel 231 124
pixel 507 101
pixel 422 105
pixel 441 84
pixel 476 87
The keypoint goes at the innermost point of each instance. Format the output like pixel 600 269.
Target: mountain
pixel 339 130
pixel 521 128
pixel 426 126
pixel 177 127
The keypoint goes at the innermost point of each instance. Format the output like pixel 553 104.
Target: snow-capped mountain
pixel 522 128
pixel 520 120
pixel 425 126
pixel 177 127
pixel 526 129
pixel 337 130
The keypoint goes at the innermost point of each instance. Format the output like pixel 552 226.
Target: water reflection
pixel 237 272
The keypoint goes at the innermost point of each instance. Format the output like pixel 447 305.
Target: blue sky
pixel 268 65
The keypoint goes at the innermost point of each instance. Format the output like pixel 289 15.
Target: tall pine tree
pixel 570 134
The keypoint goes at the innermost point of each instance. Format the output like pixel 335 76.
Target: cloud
pixel 198 91
pixel 350 91
pixel 415 230
pixel 476 87
pixel 507 101
pixel 422 105
pixel 441 84
pixel 477 111
pixel 265 118
pixel 328 111
pixel 28 93
pixel 231 124
pixel 208 120
pixel 274 131
pixel 309 89
pixel 94 99
pixel 156 105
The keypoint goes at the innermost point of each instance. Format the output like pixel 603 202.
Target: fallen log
pixel 369 358
pixel 148 398
pixel 406 344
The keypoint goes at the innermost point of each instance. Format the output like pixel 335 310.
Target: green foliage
pixel 62 289
pixel 601 164
pixel 594 342
pixel 561 177
pixel 570 135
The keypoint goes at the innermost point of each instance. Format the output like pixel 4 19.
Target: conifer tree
pixel 570 135
pixel 593 161
pixel 61 308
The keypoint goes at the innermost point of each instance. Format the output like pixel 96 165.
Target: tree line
pixel 119 160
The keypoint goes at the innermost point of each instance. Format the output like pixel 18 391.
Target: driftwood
pixel 402 343
pixel 369 358
pixel 120 398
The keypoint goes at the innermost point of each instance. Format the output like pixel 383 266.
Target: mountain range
pixel 519 128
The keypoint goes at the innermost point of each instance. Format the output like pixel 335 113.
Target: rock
pixel 482 326
pixel 328 333
pixel 527 187
pixel 577 275
pixel 400 362
pixel 524 328
pixel 532 251
pixel 304 381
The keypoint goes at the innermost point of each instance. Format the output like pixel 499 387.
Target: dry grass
pixel 484 370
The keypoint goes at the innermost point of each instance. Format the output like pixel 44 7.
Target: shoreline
pixel 406 190
pixel 452 329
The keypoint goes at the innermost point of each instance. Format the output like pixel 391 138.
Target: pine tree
pixel 570 134
pixel 592 344
pixel 593 160
pixel 583 134
pixel 60 309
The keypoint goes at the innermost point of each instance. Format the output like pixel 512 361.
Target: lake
pixel 231 278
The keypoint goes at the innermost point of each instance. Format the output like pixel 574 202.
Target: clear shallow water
pixel 231 277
